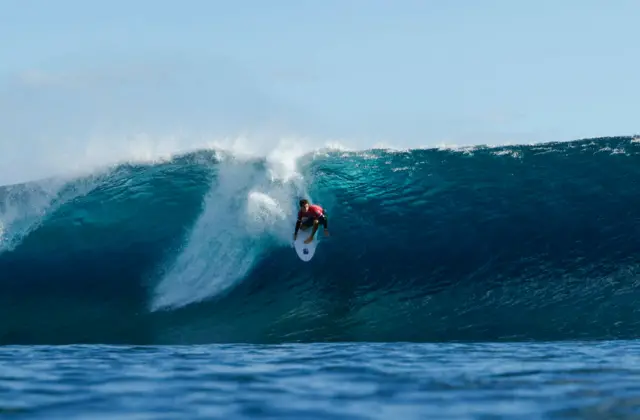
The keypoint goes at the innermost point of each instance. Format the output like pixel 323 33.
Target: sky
pixel 80 80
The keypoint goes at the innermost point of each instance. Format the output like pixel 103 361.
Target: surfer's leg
pixel 325 224
pixel 306 224
pixel 313 232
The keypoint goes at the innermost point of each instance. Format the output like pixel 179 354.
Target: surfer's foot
pixel 308 240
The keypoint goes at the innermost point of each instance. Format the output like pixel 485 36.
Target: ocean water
pixel 474 282
pixel 319 381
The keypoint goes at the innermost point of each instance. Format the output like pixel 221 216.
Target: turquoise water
pixel 535 243
pixel 321 381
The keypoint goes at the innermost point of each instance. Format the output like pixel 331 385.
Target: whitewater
pixel 522 242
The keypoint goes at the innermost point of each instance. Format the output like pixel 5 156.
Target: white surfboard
pixel 305 251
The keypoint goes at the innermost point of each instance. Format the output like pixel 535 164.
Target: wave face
pixel 532 242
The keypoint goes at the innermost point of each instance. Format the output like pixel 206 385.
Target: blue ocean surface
pixel 456 282
pixel 320 381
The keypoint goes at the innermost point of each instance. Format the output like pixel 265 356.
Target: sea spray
pixel 244 212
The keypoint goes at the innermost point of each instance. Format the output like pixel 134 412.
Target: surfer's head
pixel 304 204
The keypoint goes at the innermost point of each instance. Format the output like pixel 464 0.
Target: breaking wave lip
pixel 530 242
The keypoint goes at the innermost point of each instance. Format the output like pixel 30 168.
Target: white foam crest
pixel 98 153
pixel 21 164
pixel 246 210
pixel 25 206
pixel 43 176
pixel 20 215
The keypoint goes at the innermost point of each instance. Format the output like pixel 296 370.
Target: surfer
pixel 310 215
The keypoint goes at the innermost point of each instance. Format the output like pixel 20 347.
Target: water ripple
pixel 319 381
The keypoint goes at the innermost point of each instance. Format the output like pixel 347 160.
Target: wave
pixel 525 242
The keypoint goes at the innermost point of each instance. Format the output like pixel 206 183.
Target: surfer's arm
pixel 298 223
pixel 322 218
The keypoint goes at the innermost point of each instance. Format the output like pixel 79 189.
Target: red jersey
pixel 314 212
